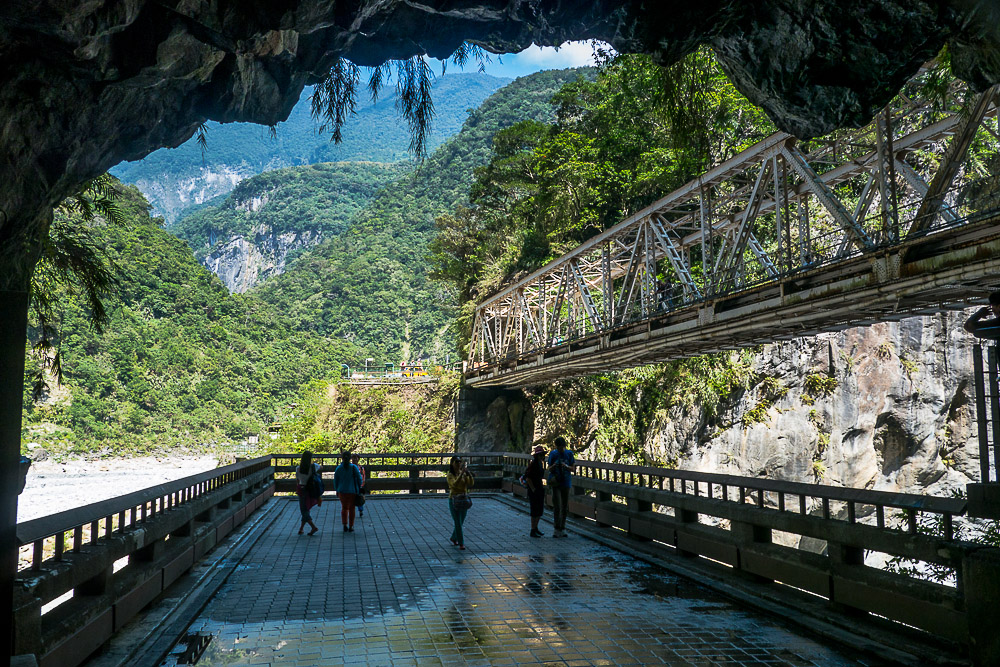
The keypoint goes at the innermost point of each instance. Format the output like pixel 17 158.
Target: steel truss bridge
pixel 785 239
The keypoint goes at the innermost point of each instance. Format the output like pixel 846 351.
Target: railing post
pixel 981 578
pixel 414 480
pixel 746 535
pixel 685 517
pixel 641 509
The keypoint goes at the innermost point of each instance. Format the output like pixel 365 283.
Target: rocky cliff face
pixel 173 194
pixel 888 407
pixel 242 263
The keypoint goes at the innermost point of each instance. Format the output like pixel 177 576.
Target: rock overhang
pixel 87 85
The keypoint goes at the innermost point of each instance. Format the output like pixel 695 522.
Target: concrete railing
pixel 115 557
pixel 93 568
pixel 411 473
pixel 753 527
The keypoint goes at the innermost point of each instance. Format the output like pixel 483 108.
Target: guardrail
pixel 412 473
pixel 114 557
pixel 93 568
pixel 755 527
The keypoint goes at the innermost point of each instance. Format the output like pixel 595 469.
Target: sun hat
pixel 538 450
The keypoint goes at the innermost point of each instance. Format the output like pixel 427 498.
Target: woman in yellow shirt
pixel 460 480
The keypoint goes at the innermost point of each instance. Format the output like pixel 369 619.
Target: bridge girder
pixel 865 204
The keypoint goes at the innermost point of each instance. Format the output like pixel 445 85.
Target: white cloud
pixel 570 54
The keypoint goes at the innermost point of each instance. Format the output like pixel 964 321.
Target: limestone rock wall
pixel 242 263
pixel 887 407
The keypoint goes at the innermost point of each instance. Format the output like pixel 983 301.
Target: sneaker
pixel 536 533
pixel 351 529
pixel 345 529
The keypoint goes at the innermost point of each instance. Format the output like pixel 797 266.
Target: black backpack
pixel 313 489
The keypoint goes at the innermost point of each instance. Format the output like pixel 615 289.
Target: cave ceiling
pixel 89 83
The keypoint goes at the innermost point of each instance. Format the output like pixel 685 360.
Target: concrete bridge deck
pixel 395 592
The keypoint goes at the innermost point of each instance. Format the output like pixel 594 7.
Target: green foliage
pixel 387 418
pixel 980 531
pixel 757 414
pixel 369 285
pixel 322 199
pixel 617 144
pixel 180 362
pixel 820 385
pixel 631 405
pixel 375 134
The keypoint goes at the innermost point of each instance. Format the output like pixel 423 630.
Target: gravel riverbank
pixel 58 486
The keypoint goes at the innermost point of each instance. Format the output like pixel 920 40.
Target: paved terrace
pixel 396 592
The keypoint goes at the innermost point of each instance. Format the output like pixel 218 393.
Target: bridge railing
pixel 799 543
pixel 986 362
pixel 793 537
pixel 84 573
pixel 778 210
pixel 412 473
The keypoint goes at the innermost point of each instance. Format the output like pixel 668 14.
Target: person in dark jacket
pixel 989 329
pixel 347 480
pixel 536 491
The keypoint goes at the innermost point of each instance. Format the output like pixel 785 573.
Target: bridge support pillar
pixel 493 420
pixel 981 583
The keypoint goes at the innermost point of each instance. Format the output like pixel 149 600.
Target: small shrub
pixel 885 351
pixel 757 414
pixel 807 399
pixel 772 388
pixel 909 367
pixel 821 385
pixel 819 470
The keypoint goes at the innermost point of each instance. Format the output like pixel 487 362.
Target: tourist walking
pixel 460 480
pixel 347 482
pixel 309 487
pixel 536 491
pixel 562 465
pixel 359 502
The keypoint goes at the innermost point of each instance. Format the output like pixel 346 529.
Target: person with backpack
pixel 562 465
pixel 309 487
pixel 347 481
pixel 359 502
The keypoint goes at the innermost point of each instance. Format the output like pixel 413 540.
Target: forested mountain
pixel 370 284
pixel 270 218
pixel 181 362
pixel 174 179
pixel 184 362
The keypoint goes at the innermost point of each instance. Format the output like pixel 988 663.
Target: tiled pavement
pixel 395 592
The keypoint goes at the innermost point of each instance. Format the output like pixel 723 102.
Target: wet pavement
pixel 396 592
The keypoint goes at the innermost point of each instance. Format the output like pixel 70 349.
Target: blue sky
pixel 534 59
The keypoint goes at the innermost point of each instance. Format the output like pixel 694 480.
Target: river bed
pixel 56 486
